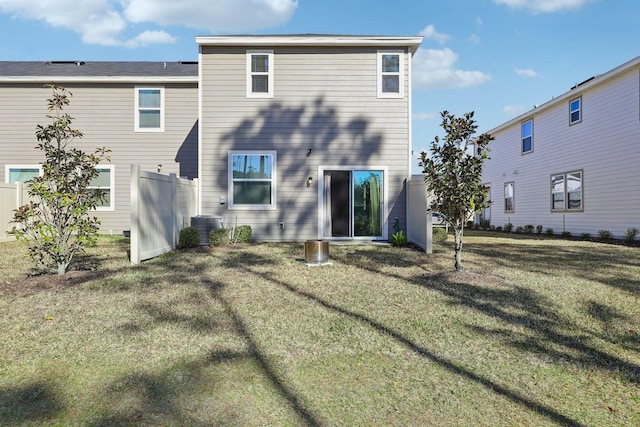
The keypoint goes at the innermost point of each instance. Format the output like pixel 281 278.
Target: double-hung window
pixel 149 109
pixel 104 183
pixel 527 136
pixel 509 199
pixel 390 75
pixel 575 111
pixel 260 74
pixel 566 192
pixel 21 173
pixel 252 180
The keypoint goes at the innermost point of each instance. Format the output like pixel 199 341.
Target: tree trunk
pixel 458 232
pixel 62 267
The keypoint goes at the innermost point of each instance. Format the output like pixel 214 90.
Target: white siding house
pixel 572 164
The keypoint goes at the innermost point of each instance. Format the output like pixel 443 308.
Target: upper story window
pixel 566 191
pixel 509 197
pixel 104 182
pixel 527 136
pixel 149 109
pixel 390 75
pixel 252 179
pixel 260 74
pixel 575 111
pixel 21 173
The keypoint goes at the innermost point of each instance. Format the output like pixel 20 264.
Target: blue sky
pixel 495 57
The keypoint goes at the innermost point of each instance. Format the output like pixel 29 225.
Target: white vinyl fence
pixel 12 196
pixel 160 206
pixel 419 221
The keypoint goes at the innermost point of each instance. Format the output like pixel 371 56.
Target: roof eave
pixel 99 79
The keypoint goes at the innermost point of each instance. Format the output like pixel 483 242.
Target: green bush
pixel 485 224
pixel 189 238
pixel 539 229
pixel 508 227
pixel 631 235
pixel 549 231
pixel 528 228
pixel 242 234
pixel 439 234
pixel 499 228
pixel 519 229
pixel 585 235
pixel 565 234
pixel 219 237
pixel 399 239
pixel 605 234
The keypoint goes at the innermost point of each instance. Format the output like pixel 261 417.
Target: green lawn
pixel 535 332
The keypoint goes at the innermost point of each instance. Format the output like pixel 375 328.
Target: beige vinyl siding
pixel 324 99
pixel 104 113
pixel 605 146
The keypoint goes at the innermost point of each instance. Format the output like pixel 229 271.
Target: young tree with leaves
pixel 56 223
pixel 453 174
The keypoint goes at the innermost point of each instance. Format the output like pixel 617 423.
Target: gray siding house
pixel 571 164
pixel 306 137
pixel 146 113
pixel 300 136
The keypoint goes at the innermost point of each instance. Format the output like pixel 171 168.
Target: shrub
pixel 585 235
pixel 508 227
pixel 189 238
pixel 485 224
pixel 605 234
pixel 398 239
pixel 565 234
pixel 630 235
pixel 439 234
pixel 499 228
pixel 519 229
pixel 549 231
pixel 528 228
pixel 242 234
pixel 470 224
pixel 219 237
pixel 539 229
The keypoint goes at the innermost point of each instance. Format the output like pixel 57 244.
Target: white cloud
pixel 216 16
pixel 424 116
pixel 474 38
pixel 434 69
pixel 430 33
pixel 514 110
pixel 527 72
pixel 104 22
pixel 544 6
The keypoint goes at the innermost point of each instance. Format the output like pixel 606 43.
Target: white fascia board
pixel 412 42
pixel 571 93
pixel 98 79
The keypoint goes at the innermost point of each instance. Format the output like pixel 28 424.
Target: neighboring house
pixel 306 136
pixel 571 164
pixel 146 113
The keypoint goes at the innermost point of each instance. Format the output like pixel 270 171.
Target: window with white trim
pixel 149 113
pixel 260 74
pixel 527 136
pixel 252 180
pixel 104 183
pixel 575 111
pixel 509 197
pixel 21 173
pixel 566 192
pixel 390 74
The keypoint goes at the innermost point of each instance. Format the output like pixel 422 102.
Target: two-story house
pixel 146 113
pixel 300 136
pixel 571 164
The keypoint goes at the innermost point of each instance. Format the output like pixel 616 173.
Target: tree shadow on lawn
pixel 452 367
pixel 32 403
pixel 595 263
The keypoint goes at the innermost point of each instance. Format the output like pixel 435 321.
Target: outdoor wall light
pixel 309 181
pixel 309 152
pixel 159 168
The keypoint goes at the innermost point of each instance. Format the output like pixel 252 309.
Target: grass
pixel 535 332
